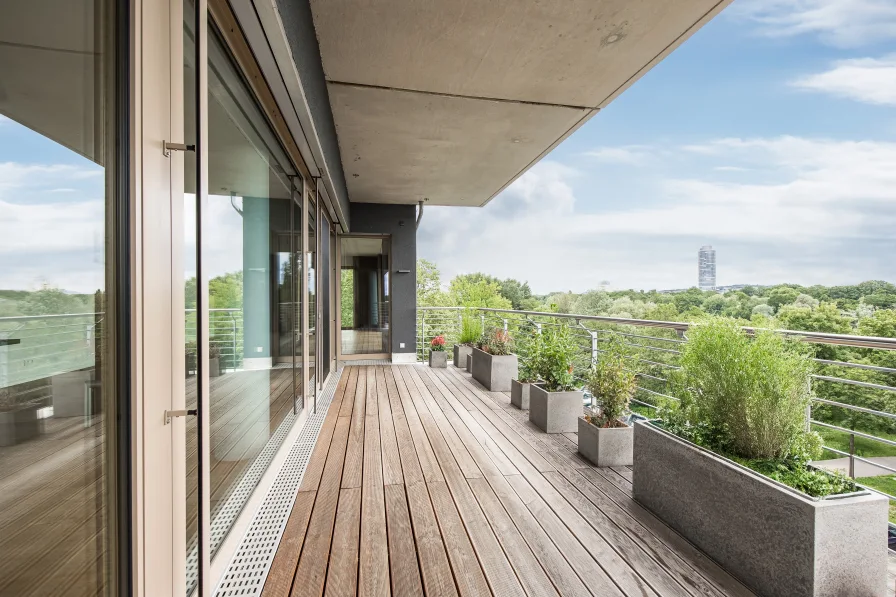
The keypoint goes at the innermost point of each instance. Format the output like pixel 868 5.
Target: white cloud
pixel 844 23
pixel 633 155
pixel 809 213
pixel 868 80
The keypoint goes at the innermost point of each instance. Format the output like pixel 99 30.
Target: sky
pixel 770 134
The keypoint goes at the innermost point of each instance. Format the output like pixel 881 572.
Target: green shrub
pixel 528 350
pixel 746 398
pixel 554 356
pixel 750 393
pixel 470 328
pixel 611 384
pixel 497 342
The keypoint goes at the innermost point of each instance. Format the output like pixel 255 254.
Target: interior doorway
pixel 364 293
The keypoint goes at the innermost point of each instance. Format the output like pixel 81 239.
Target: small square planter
pixel 519 394
pixel 494 371
pixel 611 446
pixel 470 362
pixel 20 425
pixel 438 359
pixel 778 541
pixel 214 367
pixel 461 351
pixel 555 412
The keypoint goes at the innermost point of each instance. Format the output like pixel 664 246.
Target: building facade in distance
pixel 706 267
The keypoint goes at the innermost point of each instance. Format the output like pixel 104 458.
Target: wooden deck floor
pixel 423 483
pixel 51 533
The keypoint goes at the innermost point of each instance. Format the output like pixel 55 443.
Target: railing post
pixel 482 317
pixel 505 325
pixel 593 348
pixel 538 326
pixel 423 335
pixel 852 455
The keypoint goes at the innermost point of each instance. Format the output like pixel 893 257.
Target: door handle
pixel 167 148
pixel 169 414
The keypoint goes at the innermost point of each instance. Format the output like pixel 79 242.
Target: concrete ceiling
pixel 451 100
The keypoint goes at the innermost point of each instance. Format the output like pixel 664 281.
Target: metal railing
pixel 653 352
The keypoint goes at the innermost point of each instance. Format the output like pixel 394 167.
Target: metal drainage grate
pixel 249 567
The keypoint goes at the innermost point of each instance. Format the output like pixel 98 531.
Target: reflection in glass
pixel 190 353
pixel 365 295
pixel 57 399
pixel 251 227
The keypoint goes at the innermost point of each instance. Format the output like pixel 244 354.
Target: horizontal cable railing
pixel 855 377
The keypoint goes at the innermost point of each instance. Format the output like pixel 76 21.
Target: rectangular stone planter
pixel 611 446
pixel 555 412
pixel 470 362
pixel 20 425
pixel 438 359
pixel 493 371
pixel 461 351
pixel 214 367
pixel 776 540
pixel 519 394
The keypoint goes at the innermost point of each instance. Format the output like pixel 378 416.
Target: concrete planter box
pixel 469 366
pixel 776 540
pixel 438 359
pixel 611 446
pixel 493 371
pixel 20 425
pixel 214 367
pixel 461 352
pixel 519 394
pixel 555 412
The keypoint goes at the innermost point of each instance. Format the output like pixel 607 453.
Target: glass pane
pixel 246 256
pixel 310 268
pixel 365 295
pixel 57 397
pixel 326 353
pixel 190 295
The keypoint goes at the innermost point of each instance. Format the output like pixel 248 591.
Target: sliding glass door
pixel 61 353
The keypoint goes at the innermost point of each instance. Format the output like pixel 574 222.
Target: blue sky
pixel 770 134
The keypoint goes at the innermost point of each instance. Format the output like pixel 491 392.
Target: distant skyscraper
pixel 706 267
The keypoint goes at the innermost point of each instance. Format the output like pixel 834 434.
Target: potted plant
pixel 18 422
pixel 470 331
pixel 438 358
pixel 214 360
pixel 520 386
pixel 604 438
pixel 555 404
pixel 190 358
pixel 493 362
pixel 728 468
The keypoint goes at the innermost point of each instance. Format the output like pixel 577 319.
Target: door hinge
pixel 169 414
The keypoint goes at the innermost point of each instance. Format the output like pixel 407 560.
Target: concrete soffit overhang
pixel 265 34
pixel 453 100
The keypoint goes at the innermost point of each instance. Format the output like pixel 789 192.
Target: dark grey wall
pixel 298 23
pixel 397 220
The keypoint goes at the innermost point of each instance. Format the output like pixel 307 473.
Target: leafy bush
pixel 611 385
pixel 746 399
pixel 498 343
pixel 554 359
pixel 470 328
pixel 752 392
pixel 528 351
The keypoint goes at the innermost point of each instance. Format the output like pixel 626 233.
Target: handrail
pixel 814 337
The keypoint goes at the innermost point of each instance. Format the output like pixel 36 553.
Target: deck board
pixel 429 485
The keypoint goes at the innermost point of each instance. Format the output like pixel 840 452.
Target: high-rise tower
pixel 706 267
